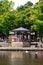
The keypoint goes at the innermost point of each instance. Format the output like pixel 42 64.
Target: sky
pixel 22 2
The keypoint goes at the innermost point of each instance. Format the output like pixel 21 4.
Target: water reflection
pixel 20 58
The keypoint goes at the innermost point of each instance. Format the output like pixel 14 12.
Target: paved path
pixel 20 49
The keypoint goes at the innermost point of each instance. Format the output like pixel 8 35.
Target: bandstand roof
pixel 20 29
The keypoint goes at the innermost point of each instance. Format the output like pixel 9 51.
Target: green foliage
pixel 28 15
pixel 23 7
pixel 31 17
pixel 7 17
pixel 28 3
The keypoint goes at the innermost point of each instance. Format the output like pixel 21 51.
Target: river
pixel 20 58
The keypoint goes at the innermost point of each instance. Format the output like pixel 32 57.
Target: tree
pixel 22 7
pixel 28 15
pixel 29 4
pixel 7 17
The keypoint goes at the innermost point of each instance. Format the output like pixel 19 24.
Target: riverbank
pixel 20 49
pixel 8 47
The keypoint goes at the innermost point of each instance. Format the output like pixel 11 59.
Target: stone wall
pixel 17 44
pixel 20 44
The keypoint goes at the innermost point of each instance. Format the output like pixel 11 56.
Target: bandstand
pixel 20 35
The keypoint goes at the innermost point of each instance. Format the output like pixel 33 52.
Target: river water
pixel 20 58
